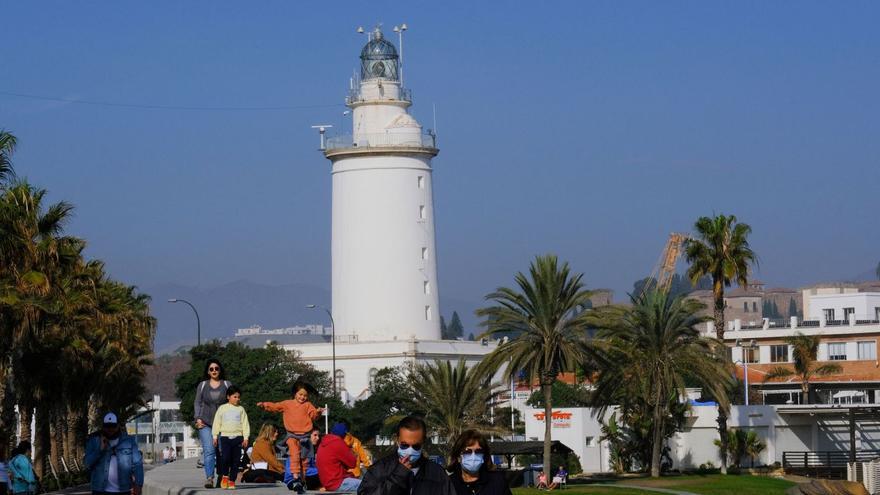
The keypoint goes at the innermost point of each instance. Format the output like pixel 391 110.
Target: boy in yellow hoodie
pixel 231 430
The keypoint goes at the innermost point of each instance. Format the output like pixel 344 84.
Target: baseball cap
pixel 339 429
pixel 110 419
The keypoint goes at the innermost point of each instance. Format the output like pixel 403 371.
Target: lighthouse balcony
pixel 390 92
pixel 423 142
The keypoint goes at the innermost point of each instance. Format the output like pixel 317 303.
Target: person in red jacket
pixel 335 459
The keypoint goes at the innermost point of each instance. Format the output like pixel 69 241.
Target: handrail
pixel 382 140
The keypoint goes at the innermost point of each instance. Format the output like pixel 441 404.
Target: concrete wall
pixel 866 305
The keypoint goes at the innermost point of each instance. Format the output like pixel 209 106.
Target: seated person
pixel 309 450
pixel 542 481
pixel 264 464
pixel 560 478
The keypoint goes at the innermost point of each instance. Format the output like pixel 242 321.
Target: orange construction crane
pixel 661 275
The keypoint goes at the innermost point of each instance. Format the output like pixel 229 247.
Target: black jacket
pixel 389 477
pixel 489 483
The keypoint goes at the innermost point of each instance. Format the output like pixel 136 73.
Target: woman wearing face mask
pixel 471 469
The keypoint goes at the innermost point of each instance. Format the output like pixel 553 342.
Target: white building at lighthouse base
pixel 358 362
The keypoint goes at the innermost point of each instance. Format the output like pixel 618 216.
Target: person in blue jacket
pixel 113 460
pixel 21 471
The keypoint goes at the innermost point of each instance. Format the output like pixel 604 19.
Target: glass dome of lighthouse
pixel 379 58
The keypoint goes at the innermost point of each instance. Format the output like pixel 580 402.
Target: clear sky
pixel 586 129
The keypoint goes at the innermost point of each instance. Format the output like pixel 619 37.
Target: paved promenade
pixel 183 478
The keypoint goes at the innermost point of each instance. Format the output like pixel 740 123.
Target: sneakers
pixel 230 485
pixel 295 485
pixel 224 483
pixel 209 483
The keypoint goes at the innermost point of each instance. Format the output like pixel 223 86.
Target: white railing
pixel 382 140
pixel 866 473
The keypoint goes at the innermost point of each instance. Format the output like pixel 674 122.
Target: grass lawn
pixel 581 489
pixel 712 484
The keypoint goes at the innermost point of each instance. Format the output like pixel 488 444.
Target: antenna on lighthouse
pixel 399 30
pixel 321 130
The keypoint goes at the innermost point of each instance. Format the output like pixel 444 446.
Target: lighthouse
pixel 384 261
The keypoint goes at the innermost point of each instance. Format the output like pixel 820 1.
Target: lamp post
pixel 332 342
pixel 745 362
pixel 198 321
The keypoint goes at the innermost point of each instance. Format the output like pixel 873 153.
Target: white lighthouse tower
pixel 383 257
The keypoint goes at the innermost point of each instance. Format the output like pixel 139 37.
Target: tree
pixel 454 398
pixel 444 331
pixel 545 314
pixel 720 249
pixel 742 443
pixel 7 147
pixel 390 397
pixel 651 350
pixel 564 395
pixel 877 271
pixel 804 352
pixel 792 308
pixel 456 329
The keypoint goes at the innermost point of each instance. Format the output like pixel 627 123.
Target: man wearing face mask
pixel 113 460
pixel 471 468
pixel 408 471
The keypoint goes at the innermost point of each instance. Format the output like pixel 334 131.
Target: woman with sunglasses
pixel 210 395
pixel 472 471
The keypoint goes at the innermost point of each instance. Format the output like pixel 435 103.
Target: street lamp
pixel 332 342
pixel 198 321
pixel 745 362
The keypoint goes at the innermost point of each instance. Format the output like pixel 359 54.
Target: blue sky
pixel 587 129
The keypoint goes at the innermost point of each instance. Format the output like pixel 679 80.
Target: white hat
pixel 110 419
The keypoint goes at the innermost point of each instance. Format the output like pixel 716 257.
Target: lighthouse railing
pixel 383 140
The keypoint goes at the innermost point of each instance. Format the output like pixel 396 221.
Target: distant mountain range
pixel 243 303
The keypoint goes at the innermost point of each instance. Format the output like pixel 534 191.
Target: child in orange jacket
pixel 298 414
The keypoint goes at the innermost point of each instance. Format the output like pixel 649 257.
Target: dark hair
pixel 232 390
pixel 466 438
pixel 208 364
pixel 412 423
pixel 302 385
pixel 22 448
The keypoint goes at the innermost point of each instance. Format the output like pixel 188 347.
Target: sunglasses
pixel 415 446
pixel 213 368
pixel 472 451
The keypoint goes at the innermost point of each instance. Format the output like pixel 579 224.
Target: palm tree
pixel 652 349
pixel 720 250
pixel 804 351
pixel 453 398
pixel 546 322
pixel 7 147
pixel 753 446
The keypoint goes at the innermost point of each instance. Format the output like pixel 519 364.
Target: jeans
pixel 209 456
pixel 349 485
pixel 230 455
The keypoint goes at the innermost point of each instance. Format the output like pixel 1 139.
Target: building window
pixel 746 306
pixel 751 355
pixel 423 212
pixel 427 287
pixel 754 307
pixel 829 314
pixel 847 312
pixel 421 182
pixel 837 351
pixel 424 253
pixel 373 373
pixel 877 313
pixel 779 353
pixel 428 313
pixel 340 380
pixel 868 350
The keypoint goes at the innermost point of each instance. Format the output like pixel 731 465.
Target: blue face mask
pixel 472 462
pixel 412 453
